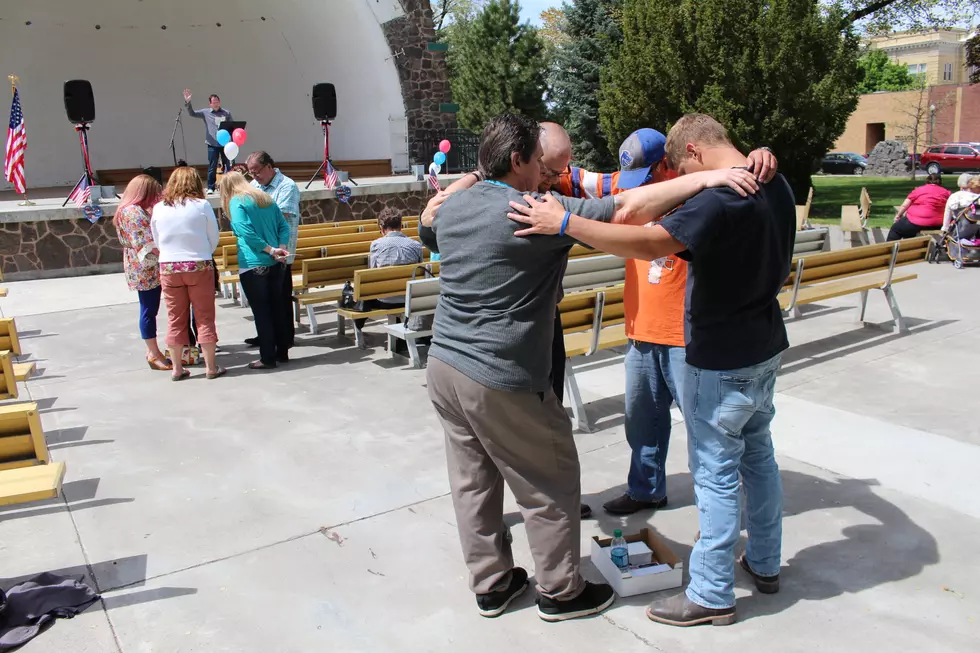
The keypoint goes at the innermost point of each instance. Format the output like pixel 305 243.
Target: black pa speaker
pixel 324 101
pixel 79 101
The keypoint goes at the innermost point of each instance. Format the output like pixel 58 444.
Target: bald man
pixel 557 147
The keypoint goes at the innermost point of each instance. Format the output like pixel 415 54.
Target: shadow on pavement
pixel 861 557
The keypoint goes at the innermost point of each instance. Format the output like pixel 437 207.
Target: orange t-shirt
pixel 655 291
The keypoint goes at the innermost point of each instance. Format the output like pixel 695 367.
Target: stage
pixel 48 240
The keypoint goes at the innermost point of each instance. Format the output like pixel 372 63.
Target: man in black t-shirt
pixel 739 247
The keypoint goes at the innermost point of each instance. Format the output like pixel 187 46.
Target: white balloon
pixel 231 151
pixel 435 169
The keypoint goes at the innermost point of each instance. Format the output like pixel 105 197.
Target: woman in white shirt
pixel 186 232
pixel 967 194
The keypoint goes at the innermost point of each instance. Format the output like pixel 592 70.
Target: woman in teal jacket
pixel 262 235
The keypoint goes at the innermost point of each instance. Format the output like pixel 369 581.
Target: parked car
pixel 951 157
pixel 843 163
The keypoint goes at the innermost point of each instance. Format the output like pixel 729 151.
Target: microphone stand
pixel 173 137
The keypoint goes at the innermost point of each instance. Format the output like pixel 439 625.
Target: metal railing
pixel 462 157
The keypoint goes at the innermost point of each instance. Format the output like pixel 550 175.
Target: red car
pixel 951 157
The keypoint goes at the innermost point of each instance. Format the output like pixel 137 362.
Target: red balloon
pixel 239 136
pixel 445 146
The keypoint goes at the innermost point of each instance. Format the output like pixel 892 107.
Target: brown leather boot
pixel 679 610
pixel 765 584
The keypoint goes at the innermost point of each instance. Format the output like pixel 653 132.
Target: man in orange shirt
pixel 654 305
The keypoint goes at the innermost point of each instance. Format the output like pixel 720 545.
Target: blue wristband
pixel 564 223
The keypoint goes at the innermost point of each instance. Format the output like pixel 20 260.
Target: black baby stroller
pixel 962 242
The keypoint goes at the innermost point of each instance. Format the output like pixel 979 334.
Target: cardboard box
pixel 670 577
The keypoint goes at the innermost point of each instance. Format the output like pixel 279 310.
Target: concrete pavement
pixel 307 509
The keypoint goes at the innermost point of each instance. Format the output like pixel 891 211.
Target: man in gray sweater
pixel 212 116
pixel 490 365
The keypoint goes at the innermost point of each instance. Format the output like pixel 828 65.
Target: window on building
pixel 917 69
pixel 948 72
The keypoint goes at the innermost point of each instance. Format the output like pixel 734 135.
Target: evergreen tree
pixel 593 34
pixel 781 73
pixel 497 65
pixel 880 74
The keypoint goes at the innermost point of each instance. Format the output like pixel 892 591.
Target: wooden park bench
pixel 825 275
pixel 8 336
pixel 380 283
pixel 854 219
pixel 422 295
pixel 592 321
pixel 803 212
pixel 26 471
pixel 12 373
pixel 810 241
pixel 323 280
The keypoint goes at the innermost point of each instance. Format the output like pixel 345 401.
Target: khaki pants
pixel 523 439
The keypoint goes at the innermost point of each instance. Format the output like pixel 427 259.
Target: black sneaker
pixel 627 505
pixel 252 342
pixel 595 598
pixel 493 604
pixel 586 511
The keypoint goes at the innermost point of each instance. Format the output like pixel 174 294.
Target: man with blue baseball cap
pixel 642 151
pixel 654 306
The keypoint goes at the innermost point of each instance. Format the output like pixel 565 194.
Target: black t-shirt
pixel 740 249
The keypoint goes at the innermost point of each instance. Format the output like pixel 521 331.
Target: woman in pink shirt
pixel 923 209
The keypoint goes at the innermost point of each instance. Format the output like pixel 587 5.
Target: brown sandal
pixel 218 373
pixel 183 375
pixel 162 364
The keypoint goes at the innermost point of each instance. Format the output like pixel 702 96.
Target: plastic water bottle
pixel 620 551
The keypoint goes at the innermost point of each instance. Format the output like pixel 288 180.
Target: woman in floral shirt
pixel 132 222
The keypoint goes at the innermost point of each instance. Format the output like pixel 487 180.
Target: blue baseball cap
pixel 641 151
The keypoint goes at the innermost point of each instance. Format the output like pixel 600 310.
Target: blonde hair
pixel 974 184
pixel 234 184
pixel 184 183
pixel 143 191
pixel 693 128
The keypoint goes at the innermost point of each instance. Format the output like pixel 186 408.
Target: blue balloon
pixel 439 158
pixel 223 137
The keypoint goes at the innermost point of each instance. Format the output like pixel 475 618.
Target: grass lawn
pixel 830 193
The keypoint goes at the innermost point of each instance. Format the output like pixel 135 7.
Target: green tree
pixel 881 74
pixel 497 64
pixel 779 73
pixel 445 13
pixel 593 35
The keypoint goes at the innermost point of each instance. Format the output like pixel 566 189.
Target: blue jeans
pixel 213 154
pixel 149 307
pixel 654 378
pixel 729 444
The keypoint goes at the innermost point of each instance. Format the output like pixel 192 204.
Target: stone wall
pixel 423 75
pixel 54 248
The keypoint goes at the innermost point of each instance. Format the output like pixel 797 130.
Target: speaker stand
pixel 326 155
pixel 87 176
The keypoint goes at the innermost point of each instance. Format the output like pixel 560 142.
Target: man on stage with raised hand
pixel 212 116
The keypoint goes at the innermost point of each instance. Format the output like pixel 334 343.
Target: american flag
pixel 434 181
pixel 82 194
pixel 13 161
pixel 329 176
